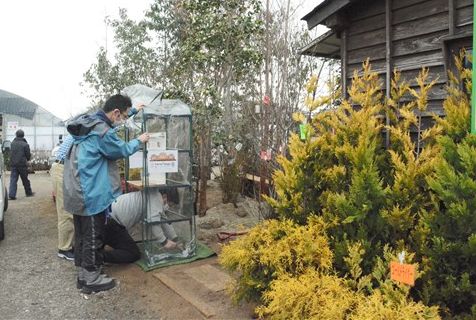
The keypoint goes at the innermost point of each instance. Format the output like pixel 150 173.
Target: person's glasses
pixel 124 116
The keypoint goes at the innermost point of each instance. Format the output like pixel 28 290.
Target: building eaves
pixel 324 10
pixel 326 46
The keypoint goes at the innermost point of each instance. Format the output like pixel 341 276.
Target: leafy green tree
pixel 134 61
pixel 214 46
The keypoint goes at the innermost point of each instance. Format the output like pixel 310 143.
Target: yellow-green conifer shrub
pixel 275 248
pixel 450 280
pixel 369 199
pixel 377 307
pixel 344 173
pixel 410 162
pixel 319 294
pixel 309 296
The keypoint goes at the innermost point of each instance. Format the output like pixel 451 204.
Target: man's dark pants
pixel 89 241
pixel 92 233
pixel 125 250
pixel 23 173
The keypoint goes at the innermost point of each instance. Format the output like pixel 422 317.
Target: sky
pixel 46 46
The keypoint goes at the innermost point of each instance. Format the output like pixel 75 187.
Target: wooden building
pixel 402 34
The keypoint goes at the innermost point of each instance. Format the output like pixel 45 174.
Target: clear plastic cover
pixel 168 231
pixel 154 104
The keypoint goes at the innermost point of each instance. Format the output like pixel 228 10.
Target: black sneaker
pixel 101 282
pixel 12 198
pixel 31 194
pixel 68 255
pixel 80 283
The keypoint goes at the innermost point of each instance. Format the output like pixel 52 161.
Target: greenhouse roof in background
pixel 13 104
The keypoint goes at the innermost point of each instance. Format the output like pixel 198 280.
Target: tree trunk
pixel 228 112
pixel 265 109
pixel 204 151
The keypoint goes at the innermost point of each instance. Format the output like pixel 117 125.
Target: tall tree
pixel 134 60
pixel 282 80
pixel 215 45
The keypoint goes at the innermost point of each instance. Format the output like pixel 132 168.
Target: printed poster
pixel 162 161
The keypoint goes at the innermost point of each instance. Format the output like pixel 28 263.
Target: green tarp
pixel 202 252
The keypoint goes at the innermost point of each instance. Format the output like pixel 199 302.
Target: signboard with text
pixel 402 272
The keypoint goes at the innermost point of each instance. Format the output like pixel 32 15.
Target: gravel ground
pixel 36 284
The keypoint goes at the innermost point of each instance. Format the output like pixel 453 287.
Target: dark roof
pixel 324 10
pixel 327 46
pixel 13 104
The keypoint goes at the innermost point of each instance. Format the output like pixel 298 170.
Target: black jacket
pixel 20 152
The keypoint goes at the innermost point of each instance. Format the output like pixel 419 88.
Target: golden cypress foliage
pixel 348 204
pixel 275 248
pixel 450 278
pixel 318 294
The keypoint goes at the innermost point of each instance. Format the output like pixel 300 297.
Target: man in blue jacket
pixel 91 184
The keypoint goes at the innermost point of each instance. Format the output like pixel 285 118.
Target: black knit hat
pixel 20 133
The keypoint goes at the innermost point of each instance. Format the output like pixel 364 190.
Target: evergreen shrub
pixel 372 198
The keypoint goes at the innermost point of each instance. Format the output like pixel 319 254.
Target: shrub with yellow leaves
pixel 348 200
pixel 273 248
pixel 321 295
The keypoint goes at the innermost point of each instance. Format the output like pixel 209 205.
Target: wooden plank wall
pixel 418 28
pixel 464 16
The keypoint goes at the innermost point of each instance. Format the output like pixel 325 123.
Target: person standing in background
pixel 65 219
pixel 19 157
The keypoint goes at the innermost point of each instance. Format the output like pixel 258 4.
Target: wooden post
pixel 451 17
pixel 344 63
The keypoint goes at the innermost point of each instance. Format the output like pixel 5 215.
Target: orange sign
pixel 401 272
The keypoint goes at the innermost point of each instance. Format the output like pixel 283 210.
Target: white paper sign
pixel 161 161
pixel 135 161
pixel 158 140
pixel 12 125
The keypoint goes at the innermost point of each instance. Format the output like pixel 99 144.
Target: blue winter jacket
pixel 91 179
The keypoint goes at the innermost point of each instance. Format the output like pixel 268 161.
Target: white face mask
pixel 129 123
pixel 118 123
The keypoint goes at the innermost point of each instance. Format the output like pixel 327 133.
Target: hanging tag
pixel 401 257
pixel 401 272
pixel 266 100
pixel 303 131
pixel 265 155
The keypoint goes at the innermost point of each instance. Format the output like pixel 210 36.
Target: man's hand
pixel 144 137
pixel 140 106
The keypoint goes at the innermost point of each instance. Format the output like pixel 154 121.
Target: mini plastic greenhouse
pixel 163 173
